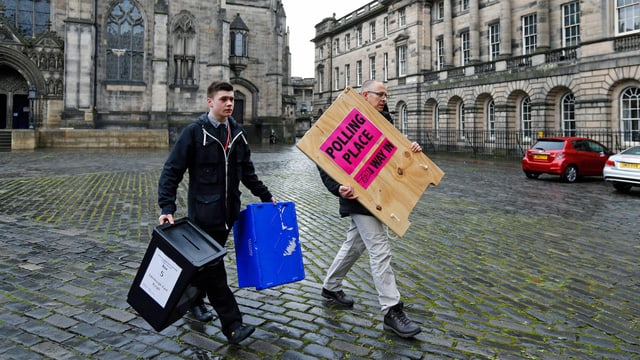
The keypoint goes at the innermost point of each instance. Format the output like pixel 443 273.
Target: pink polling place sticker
pixel 351 141
pixel 375 163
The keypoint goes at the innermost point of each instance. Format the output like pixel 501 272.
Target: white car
pixel 623 169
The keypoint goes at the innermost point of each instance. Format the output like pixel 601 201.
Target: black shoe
pixel 241 333
pixel 200 312
pixel 397 321
pixel 338 296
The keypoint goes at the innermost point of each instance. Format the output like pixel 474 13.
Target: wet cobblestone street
pixel 494 266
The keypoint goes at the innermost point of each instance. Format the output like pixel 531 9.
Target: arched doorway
pixel 14 101
pixel 3 111
pixel 238 107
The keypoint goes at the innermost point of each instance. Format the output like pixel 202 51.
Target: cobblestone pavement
pixel 494 266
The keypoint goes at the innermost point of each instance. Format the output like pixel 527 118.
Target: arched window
pixel 29 16
pixel 630 114
pixel 239 100
pixel 525 117
pixel 125 42
pixel 461 120
pixel 491 119
pixel 404 119
pixel 320 80
pixel 184 45
pixel 436 120
pixel 568 115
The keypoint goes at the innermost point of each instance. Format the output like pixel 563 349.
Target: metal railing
pixel 510 144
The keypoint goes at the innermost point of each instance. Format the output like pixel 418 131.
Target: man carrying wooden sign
pixel 350 170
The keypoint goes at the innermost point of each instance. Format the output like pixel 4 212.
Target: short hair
pixel 218 85
pixel 368 85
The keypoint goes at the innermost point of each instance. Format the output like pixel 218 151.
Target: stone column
pixel 160 66
pixel 448 34
pixel 543 25
pixel 474 30
pixel 79 64
pixel 505 29
pixel 424 41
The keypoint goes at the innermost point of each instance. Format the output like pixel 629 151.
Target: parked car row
pixel 575 157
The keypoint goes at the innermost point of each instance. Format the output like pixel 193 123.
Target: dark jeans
pixel 212 280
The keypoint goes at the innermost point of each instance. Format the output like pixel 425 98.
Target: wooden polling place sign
pixel 356 145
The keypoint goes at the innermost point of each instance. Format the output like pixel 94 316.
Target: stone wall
pixel 93 138
pixel 23 140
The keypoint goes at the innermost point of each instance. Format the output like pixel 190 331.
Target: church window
pixel 184 45
pixel 125 42
pixel 239 38
pixel 239 44
pixel 29 16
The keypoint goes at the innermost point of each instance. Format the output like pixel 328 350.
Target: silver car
pixel 623 169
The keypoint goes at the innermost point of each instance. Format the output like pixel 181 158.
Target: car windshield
pixel 632 151
pixel 549 145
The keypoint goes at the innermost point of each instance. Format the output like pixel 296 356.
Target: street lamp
pixel 33 91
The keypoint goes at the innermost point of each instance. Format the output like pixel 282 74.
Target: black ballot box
pixel 161 292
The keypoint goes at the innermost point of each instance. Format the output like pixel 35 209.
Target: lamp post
pixel 33 91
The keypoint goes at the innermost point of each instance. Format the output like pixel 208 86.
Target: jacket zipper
pixel 226 172
pixel 226 166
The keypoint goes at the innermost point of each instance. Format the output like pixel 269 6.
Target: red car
pixel 569 157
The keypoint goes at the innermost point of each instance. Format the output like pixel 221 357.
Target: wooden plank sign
pixel 356 145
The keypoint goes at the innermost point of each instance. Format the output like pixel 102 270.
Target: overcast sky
pixel 302 17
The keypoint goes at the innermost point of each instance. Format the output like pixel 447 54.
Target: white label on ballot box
pixel 160 278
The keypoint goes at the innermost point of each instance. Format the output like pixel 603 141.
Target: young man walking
pixel 215 152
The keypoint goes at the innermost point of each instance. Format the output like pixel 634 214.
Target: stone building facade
pixel 491 75
pixel 303 94
pixel 141 64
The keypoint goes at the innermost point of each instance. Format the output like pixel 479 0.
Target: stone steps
pixel 5 140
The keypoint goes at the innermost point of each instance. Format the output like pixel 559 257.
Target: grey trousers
pixel 366 232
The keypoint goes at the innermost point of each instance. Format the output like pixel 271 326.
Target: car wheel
pixel 622 187
pixel 532 175
pixel 570 174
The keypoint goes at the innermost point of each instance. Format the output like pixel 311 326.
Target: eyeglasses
pixel 381 95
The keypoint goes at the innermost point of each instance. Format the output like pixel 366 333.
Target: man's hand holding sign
pixel 359 148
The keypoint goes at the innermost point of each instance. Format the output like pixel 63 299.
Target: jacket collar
pixel 206 125
pixel 203 120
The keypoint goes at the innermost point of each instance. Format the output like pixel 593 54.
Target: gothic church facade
pixel 141 64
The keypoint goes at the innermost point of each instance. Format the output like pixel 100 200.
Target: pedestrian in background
pixel 215 152
pixel 367 232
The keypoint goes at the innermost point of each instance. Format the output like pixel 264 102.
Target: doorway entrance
pixel 14 101
pixel 20 111
pixel 3 111
pixel 238 110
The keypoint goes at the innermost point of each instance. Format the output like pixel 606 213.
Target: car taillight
pixel 560 156
pixel 610 163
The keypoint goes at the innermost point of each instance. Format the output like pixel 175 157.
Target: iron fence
pixel 510 144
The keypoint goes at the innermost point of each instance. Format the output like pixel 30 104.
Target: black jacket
pixel 214 175
pixel 347 206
